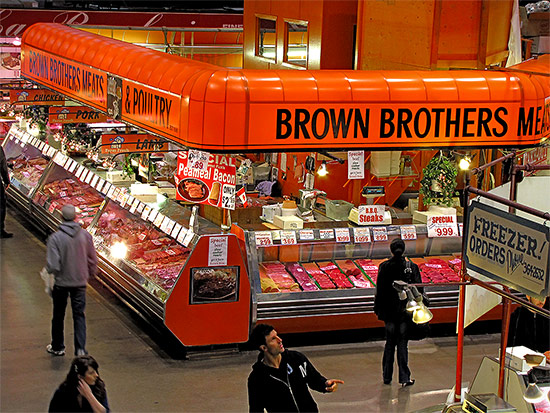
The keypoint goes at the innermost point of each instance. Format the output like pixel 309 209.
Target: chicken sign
pixel 212 185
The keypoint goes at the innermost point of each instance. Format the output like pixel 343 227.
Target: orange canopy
pixel 212 108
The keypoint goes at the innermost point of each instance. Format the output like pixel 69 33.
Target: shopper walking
pixel 83 390
pixel 71 257
pixel 280 378
pixel 390 309
pixel 4 184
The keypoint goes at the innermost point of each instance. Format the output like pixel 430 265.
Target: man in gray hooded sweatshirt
pixel 71 257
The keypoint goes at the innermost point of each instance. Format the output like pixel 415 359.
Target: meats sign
pixel 509 249
pixel 214 185
pixel 75 114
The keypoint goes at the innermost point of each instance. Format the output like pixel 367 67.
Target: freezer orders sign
pixel 509 249
pixel 212 185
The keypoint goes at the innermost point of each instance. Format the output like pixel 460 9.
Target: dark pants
pixel 396 336
pixel 78 305
pixel 2 206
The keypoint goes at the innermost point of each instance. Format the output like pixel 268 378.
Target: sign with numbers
pixel 288 237
pixel 408 232
pixel 263 238
pixel 326 233
pixel 197 159
pixel 228 196
pixel 342 234
pixel 361 235
pixel 306 235
pixel 442 226
pixel 379 234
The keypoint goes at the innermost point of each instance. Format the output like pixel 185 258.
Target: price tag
pixel 288 238
pixel 326 233
pixel 80 171
pixel 342 234
pixel 152 215
pixel 41 147
pixel 228 197
pixel 120 195
pixel 89 177
pixel 107 187
pixel 181 235
pixel 53 207
pixel 442 226
pixel 408 232
pixel 140 207
pixel 134 205
pixel 58 158
pixel 72 166
pixel 95 178
pixel 361 235
pixel 51 151
pixel 63 194
pixel 170 252
pixel 156 242
pixel 125 197
pixel 197 159
pixel 99 185
pixel 379 234
pixel 158 220
pixel 146 212
pixel 111 193
pixel 263 238
pixel 175 230
pixel 371 214
pixel 32 141
pixel 460 227
pixel 306 235
pixel 142 236
pixel 188 238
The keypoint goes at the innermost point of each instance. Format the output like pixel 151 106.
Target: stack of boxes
pixel 536 27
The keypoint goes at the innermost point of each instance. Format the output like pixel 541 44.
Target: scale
pixel 371 192
pixel 486 403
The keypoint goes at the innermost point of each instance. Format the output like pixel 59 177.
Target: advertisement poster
pixel 75 114
pixel 356 164
pixel 213 186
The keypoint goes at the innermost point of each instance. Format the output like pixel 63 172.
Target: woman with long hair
pixel 83 390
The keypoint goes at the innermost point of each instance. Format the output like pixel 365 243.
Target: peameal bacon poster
pixel 214 184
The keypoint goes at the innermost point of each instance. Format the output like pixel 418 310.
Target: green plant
pixel 128 168
pixel 438 183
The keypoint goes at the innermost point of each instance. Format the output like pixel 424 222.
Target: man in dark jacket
pixel 391 310
pixel 4 183
pixel 71 257
pixel 280 378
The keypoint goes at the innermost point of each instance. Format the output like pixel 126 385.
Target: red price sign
pixel 288 238
pixel 361 235
pixel 342 234
pixel 264 239
pixel 442 226
pixel 380 234
pixel 408 232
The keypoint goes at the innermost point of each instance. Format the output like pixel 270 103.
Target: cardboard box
pixel 380 163
pixel 534 24
pixel 515 358
pixel 541 44
pixel 290 222
pixel 116 177
pixel 395 160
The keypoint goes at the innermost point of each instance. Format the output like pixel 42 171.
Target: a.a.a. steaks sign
pixel 509 249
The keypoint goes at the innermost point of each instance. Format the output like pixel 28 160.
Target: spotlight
pixel 322 171
pixel 464 163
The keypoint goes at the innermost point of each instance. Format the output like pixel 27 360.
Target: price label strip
pixel 408 232
pixel 442 226
pixel 306 235
pixel 342 234
pixel 288 238
pixel 263 238
pixel 361 235
pixel 379 234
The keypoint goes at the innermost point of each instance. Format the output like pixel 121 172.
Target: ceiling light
pixel 464 163
pixel 322 171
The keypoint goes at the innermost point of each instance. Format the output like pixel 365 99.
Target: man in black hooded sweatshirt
pixel 280 378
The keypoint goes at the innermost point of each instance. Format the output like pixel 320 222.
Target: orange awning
pixel 212 108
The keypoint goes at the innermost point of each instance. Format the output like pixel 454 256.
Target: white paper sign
pixel 356 164
pixel 408 232
pixel 342 234
pixel 134 206
pixel 371 214
pixel 228 196
pixel 306 235
pixel 460 228
pixel 146 212
pixel 188 238
pixel 288 238
pixel 379 234
pixel 361 235
pixel 263 238
pixel 73 166
pixel 326 233
pixel 197 159
pixel 442 226
pixel 181 235
pixel 217 251
pixel 176 230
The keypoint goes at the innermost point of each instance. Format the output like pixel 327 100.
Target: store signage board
pixel 408 232
pixel 361 235
pixel 342 234
pixel 288 238
pixel 379 234
pixel 326 234
pixel 307 235
pixel 356 164
pixel 442 226
pixel 41 97
pixel 214 186
pixel 71 78
pixel 263 238
pixel 114 143
pixel 75 114
pixel 217 251
pixel 509 249
pixel 371 214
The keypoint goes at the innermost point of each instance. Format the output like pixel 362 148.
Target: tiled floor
pixel 144 374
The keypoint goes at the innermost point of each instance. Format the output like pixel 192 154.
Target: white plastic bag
pixel 49 280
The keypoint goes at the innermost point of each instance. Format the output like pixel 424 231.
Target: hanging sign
pixel 217 251
pixel 35 97
pixel 371 214
pixel 509 249
pixel 408 232
pixel 214 186
pixel 356 164
pixel 113 143
pixel 442 226
pixel 75 114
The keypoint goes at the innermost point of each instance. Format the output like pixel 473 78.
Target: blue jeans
pixel 396 336
pixel 78 305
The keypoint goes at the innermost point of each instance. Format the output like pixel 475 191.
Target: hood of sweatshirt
pixel 70 228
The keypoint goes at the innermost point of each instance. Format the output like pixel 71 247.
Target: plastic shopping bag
pixel 49 280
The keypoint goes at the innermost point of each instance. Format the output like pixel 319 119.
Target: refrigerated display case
pixel 323 277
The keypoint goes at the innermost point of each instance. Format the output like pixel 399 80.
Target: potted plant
pixel 438 183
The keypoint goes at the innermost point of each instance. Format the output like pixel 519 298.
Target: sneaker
pixel 50 350
pixel 80 352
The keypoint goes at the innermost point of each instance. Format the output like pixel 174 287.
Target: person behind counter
pixel 280 378
pixel 391 310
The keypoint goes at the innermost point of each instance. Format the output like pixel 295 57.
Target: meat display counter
pixel 323 277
